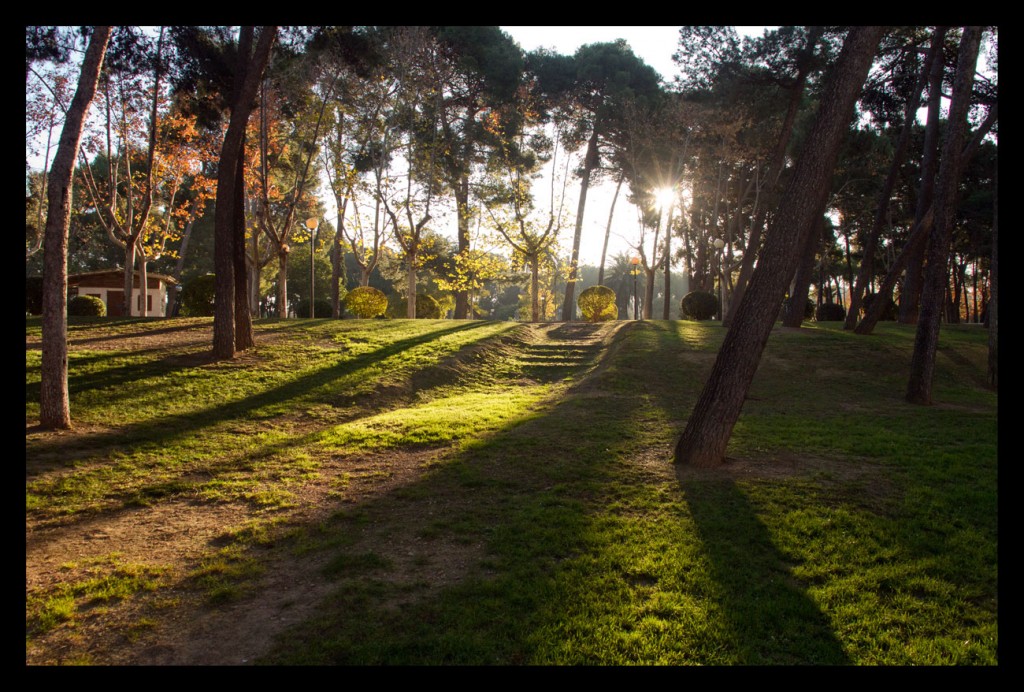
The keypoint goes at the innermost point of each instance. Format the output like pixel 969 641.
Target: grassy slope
pixel 850 527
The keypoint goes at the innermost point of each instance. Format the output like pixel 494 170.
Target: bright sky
pixel 655 46
pixel 652 44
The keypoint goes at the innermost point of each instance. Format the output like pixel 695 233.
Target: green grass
pixel 547 525
pixel 107 580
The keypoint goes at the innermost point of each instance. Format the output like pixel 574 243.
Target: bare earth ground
pixel 178 533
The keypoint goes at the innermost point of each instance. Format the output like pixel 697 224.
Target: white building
pixel 108 286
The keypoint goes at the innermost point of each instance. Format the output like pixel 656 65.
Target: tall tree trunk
pixel 710 425
pixel 54 408
pixel 775 167
pixel 911 294
pixel 246 80
pixel 608 230
pixel 885 193
pixel 462 213
pixel 794 314
pixel 922 364
pixel 590 162
pixel 746 266
pixel 282 284
pixel 668 266
pixel 143 283
pixel 993 300
pixel 649 292
pixel 338 278
pixel 130 252
pixel 253 269
pixel 535 288
pixel 410 287
pixel 244 338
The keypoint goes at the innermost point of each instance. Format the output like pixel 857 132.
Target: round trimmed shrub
pixel 87 306
pixel 427 307
pixel 830 312
pixel 366 302
pixel 197 296
pixel 698 305
pixel 597 304
pixel 322 305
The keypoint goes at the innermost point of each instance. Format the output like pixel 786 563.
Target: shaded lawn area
pixel 547 525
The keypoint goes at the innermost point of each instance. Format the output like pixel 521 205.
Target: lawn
pixel 444 492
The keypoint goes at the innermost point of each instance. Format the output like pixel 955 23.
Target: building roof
pixel 120 272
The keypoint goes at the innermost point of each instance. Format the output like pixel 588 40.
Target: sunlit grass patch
pixel 440 421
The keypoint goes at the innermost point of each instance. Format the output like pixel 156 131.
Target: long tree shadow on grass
pixel 772 618
pixel 553 586
pixel 463 565
pixel 164 430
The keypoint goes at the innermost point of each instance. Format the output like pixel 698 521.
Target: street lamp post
pixel 719 244
pixel 311 224
pixel 635 263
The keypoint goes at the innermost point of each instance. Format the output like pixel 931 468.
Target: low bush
pixel 830 312
pixel 427 307
pixel 597 304
pixel 322 308
pixel 87 306
pixel 698 305
pixel 366 302
pixel 197 296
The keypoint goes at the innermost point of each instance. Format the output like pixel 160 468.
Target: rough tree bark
pixel 246 80
pixel 707 432
pixel 801 286
pixel 54 408
pixel 244 338
pixel 462 311
pixel 911 294
pixel 922 363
